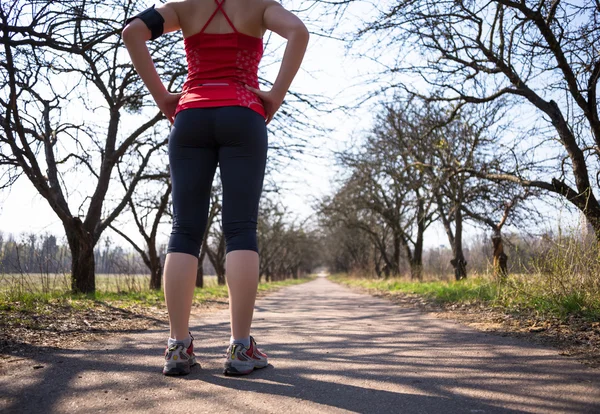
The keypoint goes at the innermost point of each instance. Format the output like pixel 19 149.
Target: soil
pixel 25 333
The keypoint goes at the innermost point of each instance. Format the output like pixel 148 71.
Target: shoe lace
pixel 174 347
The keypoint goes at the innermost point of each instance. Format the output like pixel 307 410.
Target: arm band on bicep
pixel 153 20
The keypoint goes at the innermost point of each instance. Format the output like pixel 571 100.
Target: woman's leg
pixel 242 283
pixel 193 161
pixel 242 159
pixel 180 280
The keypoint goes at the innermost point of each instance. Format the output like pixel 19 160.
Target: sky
pixel 325 71
pixel 329 71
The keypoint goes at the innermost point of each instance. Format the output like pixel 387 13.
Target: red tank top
pixel 218 67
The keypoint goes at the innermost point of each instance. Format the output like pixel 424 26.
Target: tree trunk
pixel 378 270
pixel 592 216
pixel 416 264
pixel 220 275
pixel 395 268
pixel 155 268
pixel 200 274
pixel 200 270
pixel 460 266
pixel 81 244
pixel 500 258
pixel 220 268
pixel 217 258
pixel 156 276
pixel 416 269
pixel 459 263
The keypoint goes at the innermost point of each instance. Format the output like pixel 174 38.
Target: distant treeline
pixel 527 253
pixel 45 253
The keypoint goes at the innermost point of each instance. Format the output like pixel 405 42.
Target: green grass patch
pixel 22 300
pixel 469 290
pixel 521 293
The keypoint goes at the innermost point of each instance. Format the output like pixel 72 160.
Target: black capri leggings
pixel 235 137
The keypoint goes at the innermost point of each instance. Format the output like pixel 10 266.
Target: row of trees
pixel 77 122
pixel 46 255
pixel 409 172
pixel 492 103
pixel 286 251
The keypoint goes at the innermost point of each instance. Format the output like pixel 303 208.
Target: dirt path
pixel 331 349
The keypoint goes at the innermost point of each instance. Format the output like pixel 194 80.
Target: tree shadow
pixel 327 354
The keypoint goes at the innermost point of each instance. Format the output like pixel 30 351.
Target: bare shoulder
pixel 180 6
pixel 266 4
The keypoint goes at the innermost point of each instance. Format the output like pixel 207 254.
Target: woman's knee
pixel 185 240
pixel 240 236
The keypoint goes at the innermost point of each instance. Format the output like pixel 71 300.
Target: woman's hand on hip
pixel 167 104
pixel 271 101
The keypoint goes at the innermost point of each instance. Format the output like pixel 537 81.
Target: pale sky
pixel 325 71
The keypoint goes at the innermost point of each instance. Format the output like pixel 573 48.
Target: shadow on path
pixel 331 349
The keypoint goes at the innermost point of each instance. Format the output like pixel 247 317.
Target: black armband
pixel 153 20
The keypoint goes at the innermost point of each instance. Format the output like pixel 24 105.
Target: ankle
pixel 243 341
pixel 186 341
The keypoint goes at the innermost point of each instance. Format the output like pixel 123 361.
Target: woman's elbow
pixel 127 33
pixel 300 32
pixel 131 33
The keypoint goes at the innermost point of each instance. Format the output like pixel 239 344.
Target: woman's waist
pixel 219 82
pixel 218 90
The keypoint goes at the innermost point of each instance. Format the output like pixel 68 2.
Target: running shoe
pixel 241 360
pixel 178 360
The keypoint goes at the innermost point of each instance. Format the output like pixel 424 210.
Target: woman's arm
pixel 135 35
pixel 287 25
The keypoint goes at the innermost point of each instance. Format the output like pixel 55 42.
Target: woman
pixel 219 118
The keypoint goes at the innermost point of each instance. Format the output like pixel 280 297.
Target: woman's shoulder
pixel 201 7
pixel 195 4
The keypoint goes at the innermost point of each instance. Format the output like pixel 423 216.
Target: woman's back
pixel 246 16
pixel 222 26
pixel 222 59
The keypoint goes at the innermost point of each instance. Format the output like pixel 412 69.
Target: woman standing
pixel 219 119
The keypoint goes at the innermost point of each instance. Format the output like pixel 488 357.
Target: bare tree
pixel 355 241
pixel 148 213
pixel 63 61
pixel 443 142
pixel 499 256
pixel 286 249
pixel 214 237
pixel 412 170
pixel 541 55
pixel 212 215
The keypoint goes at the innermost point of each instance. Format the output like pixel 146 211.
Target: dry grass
pixel 17 284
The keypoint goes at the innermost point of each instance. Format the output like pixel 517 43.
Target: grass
pixel 29 295
pixel 521 293
pixel 441 291
pixel 58 282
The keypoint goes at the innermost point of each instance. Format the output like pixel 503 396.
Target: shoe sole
pixel 180 369
pixel 230 370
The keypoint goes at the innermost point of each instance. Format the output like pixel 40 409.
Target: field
pixel 61 282
pixel 28 291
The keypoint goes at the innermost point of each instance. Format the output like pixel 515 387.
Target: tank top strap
pixel 212 16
